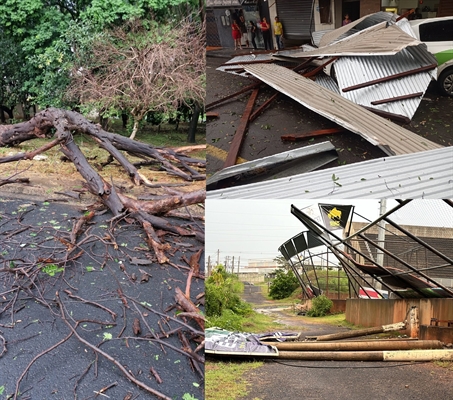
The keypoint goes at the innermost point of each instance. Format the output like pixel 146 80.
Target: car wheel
pixel 445 82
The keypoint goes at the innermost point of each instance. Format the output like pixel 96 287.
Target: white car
pixel 437 34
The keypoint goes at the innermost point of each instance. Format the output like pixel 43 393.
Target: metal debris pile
pixel 360 76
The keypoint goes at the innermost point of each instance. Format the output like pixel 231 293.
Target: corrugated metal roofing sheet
pixel 421 175
pixel 288 163
pixel 378 52
pixel 351 71
pixel 356 26
pixel 378 40
pixel 235 67
pixel 390 137
pixel 327 82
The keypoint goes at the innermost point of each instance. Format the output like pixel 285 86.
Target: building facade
pixel 301 18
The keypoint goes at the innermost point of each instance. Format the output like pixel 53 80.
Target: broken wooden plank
pixel 240 132
pixel 397 98
pixel 230 96
pixel 390 77
pixel 211 114
pixel 262 107
pixel 308 135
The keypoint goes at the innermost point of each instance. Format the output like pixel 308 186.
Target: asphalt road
pixel 103 290
pixel 332 380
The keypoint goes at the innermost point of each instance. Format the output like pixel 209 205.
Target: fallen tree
pixel 63 124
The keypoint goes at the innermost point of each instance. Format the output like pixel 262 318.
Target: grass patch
pixel 225 380
pixel 257 322
pixel 254 322
pixel 444 364
pixel 95 155
pixel 335 319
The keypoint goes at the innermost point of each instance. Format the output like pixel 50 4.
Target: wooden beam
pixel 261 108
pixel 397 98
pixel 240 132
pixel 307 135
pixel 230 96
pixel 390 77
pixel 212 114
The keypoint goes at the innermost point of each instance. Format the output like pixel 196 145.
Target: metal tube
pixel 358 345
pixel 404 355
pixel 362 332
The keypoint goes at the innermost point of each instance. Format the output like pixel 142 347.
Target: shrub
pixel 320 306
pixel 283 284
pixel 228 320
pixel 222 293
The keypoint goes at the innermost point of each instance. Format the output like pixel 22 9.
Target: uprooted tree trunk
pixel 66 123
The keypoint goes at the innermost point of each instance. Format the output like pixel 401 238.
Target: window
pixel 439 31
pixel 324 11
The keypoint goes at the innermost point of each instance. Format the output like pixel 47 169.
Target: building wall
pixel 252 278
pixel 369 7
pixel 369 313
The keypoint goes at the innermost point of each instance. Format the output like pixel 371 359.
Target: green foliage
pixel 320 306
pixel 283 284
pixel 228 320
pixel 40 39
pixel 224 307
pixel 52 269
pixel 222 293
pixel 282 263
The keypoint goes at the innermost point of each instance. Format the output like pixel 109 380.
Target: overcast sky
pixel 255 229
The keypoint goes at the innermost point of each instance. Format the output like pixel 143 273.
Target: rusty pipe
pixel 362 332
pixel 357 346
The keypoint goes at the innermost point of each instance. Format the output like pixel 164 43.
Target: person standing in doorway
pixel 278 32
pixel 237 35
pixel 346 20
pixel 242 24
pixel 253 34
pixel 266 30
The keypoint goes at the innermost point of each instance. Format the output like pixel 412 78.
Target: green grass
pixel 334 319
pixel 96 155
pixel 225 380
pixel 444 364
pixel 256 323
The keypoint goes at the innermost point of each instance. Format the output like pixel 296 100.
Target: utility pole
pixel 218 256
pixel 381 236
pixel 232 266
pixel 239 260
pixel 209 266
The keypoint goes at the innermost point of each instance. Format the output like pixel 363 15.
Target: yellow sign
pixel 335 217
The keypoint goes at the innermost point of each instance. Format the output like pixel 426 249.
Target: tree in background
pixel 282 262
pixel 142 67
pixel 47 34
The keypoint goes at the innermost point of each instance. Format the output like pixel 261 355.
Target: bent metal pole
pixel 402 355
pixel 357 346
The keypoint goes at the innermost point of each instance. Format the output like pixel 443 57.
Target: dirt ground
pixel 285 116
pixel 347 380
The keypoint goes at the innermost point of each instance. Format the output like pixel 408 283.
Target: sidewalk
pixel 229 52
